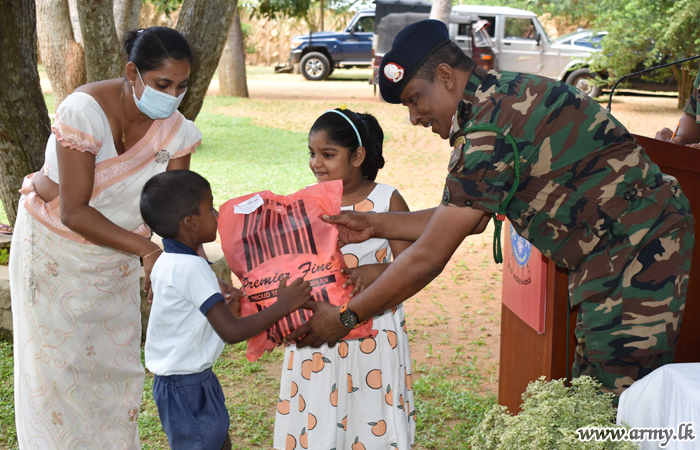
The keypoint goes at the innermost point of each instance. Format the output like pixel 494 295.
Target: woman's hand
pixel 362 276
pixel 352 226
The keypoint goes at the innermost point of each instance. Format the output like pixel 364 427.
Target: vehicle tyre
pixel 584 80
pixel 315 66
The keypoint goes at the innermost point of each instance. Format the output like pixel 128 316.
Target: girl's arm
pixel 232 330
pixel 363 276
pixel 398 204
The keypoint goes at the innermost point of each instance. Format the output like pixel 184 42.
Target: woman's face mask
pixel 156 104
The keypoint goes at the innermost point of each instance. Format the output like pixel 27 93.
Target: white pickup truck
pixel 522 45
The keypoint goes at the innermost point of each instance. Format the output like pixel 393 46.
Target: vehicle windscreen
pixel 589 41
pixel 481 35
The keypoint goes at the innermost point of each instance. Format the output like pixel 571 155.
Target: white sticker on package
pixel 249 205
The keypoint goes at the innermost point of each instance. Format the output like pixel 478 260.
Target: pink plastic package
pixel 266 236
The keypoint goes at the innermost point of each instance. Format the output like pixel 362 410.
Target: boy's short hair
pixel 169 197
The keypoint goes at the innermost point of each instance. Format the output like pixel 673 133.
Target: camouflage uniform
pixel 590 199
pixel 691 107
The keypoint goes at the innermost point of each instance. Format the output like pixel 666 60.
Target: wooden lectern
pixel 526 355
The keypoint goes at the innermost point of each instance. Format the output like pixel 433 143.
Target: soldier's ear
pixel 445 75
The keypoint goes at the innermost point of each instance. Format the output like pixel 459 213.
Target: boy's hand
pixel 362 276
pixel 234 303
pixel 227 290
pixel 294 295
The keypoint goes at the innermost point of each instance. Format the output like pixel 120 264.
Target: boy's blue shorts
pixel 192 410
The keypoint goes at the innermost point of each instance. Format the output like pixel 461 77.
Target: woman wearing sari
pixel 74 263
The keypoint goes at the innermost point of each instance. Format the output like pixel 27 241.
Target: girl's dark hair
pixel 340 132
pixel 149 47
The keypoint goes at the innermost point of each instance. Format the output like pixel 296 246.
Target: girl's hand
pixel 148 262
pixel 362 276
pixel 294 295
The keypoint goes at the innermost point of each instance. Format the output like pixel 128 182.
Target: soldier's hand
pixel 352 226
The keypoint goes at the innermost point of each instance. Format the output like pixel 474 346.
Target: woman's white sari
pixel 76 305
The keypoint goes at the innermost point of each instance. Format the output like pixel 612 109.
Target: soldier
pixel 688 130
pixel 569 177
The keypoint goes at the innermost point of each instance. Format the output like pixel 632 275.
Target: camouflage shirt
pixel 582 174
pixel 691 107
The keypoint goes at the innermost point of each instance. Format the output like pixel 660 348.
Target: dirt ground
pixel 455 321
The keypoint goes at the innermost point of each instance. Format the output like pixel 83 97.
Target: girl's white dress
pixel 357 395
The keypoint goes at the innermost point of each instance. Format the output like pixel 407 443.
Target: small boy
pixel 189 320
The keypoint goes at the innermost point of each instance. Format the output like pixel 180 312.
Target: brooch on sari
pixel 162 156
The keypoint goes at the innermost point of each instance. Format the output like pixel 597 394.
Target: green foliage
pixel 165 6
pixel 307 10
pixel 448 410
pixel 8 433
pixel 551 414
pixel 247 32
pixel 4 256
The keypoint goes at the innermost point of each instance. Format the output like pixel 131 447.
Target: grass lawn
pixel 239 157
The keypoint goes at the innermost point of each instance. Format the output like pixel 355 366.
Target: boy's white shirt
pixel 179 339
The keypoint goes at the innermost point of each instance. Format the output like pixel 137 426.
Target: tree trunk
pixel 685 84
pixel 126 17
pixel 232 77
pixel 441 10
pixel 63 57
pixel 205 26
pixel 75 21
pixel 102 52
pixel 24 121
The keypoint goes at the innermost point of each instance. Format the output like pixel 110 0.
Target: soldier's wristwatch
pixel 348 317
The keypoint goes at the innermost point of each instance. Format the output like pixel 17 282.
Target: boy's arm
pixel 232 330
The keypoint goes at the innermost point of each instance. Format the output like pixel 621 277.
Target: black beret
pixel 411 47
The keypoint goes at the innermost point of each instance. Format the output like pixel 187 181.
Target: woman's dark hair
pixel 149 47
pixel 340 132
pixel 169 197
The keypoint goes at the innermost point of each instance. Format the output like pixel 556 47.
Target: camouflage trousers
pixel 630 326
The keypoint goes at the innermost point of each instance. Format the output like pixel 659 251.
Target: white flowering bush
pixel 551 414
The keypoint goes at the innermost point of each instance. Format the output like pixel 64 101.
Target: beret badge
pixel 394 72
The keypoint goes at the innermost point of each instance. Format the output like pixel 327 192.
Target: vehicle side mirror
pixel 538 38
pixel 352 31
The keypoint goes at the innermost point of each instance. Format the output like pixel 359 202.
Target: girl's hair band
pixel 359 139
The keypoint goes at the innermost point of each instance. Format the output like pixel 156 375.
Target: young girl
pixel 356 395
